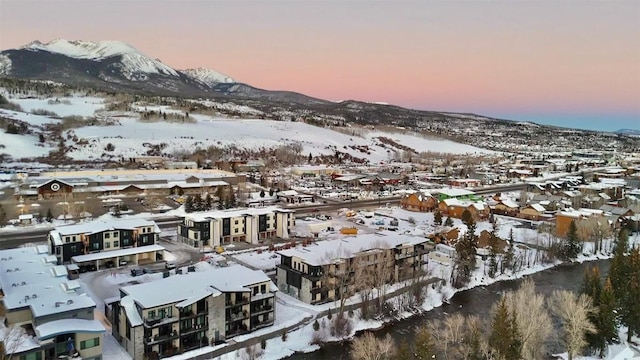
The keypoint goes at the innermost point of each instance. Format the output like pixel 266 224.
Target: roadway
pixel 20 237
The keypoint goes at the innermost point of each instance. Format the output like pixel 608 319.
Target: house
pixel 617 214
pixel 310 273
pixel 454 193
pixel 294 197
pixel 505 207
pixel 106 243
pixel 465 183
pixel 315 170
pixel 532 212
pixel 452 207
pixel 261 198
pixel 251 225
pixel 52 315
pixel 565 218
pixel 418 201
pixel 203 308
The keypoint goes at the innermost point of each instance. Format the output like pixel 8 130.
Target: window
pixel 116 234
pixel 57 250
pixel 89 343
pixel 152 314
pixel 107 235
pixel 255 290
pixel 235 230
pixel 116 244
pixel 236 222
pixel 95 246
pixel 73 249
pixel 263 288
pixel 32 356
pixel 67 239
pixel 107 245
pixel 73 238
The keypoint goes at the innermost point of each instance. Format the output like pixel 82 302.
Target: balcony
pixel 239 302
pixel 161 338
pixel 238 316
pixel 237 330
pixel 158 320
pixel 194 328
pixel 261 309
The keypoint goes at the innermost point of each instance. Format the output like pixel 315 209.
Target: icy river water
pixel 476 301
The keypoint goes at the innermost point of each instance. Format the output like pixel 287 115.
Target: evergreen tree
pixel 629 304
pixel 507 260
pixel 188 204
pixel 404 351
pixel 466 249
pixel 262 194
pixel 207 202
pixel 196 204
pixel 619 270
pixel 49 215
pixel 572 246
pixel 437 218
pixel 448 222
pixel 493 250
pixel 424 347
pixel 591 284
pixel 505 337
pixel 604 320
pixel 271 192
pixel 310 157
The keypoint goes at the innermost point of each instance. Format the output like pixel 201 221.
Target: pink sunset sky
pixel 569 63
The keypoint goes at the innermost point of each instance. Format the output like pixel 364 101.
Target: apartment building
pixel 251 225
pixel 103 244
pixel 46 315
pixel 190 310
pixel 309 273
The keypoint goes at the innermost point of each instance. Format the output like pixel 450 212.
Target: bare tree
pixel 11 340
pixel 368 347
pixel 448 334
pixel 532 318
pixel 594 229
pixel 573 311
pixel 338 276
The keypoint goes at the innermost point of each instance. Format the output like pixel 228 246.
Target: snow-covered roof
pixel 231 213
pixel 97 226
pixel 28 280
pixel 115 253
pixel 453 192
pixel 58 327
pixel 323 252
pixel 194 285
pixel 509 203
pixel 538 207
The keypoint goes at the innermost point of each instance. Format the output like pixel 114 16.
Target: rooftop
pixel 231 213
pixel 323 252
pixel 97 226
pixel 29 277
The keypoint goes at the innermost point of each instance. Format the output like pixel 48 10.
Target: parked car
pixel 169 265
pixel 109 264
pixel 138 272
pixel 91 267
pixel 122 262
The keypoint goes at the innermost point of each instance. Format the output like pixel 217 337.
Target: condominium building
pixel 190 310
pixel 106 243
pixel 309 273
pixel 46 315
pixel 252 225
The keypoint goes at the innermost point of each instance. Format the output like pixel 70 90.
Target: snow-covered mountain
pixel 133 63
pixel 207 76
pixel 117 66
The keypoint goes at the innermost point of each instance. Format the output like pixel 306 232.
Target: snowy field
pixel 129 135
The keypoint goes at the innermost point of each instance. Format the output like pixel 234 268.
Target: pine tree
pixel 604 320
pixel 591 284
pixel 424 347
pixel 466 249
pixel 437 218
pixel 493 250
pixel 448 222
pixel 466 217
pixel 188 204
pixel 262 194
pixel 619 270
pixel 310 157
pixel 629 305
pixel 196 203
pixel 207 202
pixel 49 216
pixel 271 192
pixel 572 246
pixel 507 261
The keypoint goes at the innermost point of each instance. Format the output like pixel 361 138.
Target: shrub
pixel 316 325
pixel 284 335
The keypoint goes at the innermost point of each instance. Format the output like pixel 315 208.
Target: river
pixel 476 301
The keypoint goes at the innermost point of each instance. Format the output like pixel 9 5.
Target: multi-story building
pixel 187 311
pixel 250 225
pixel 106 243
pixel 46 315
pixel 309 273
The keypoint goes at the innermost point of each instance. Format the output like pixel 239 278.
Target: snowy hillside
pixel 133 61
pixel 133 133
pixel 207 76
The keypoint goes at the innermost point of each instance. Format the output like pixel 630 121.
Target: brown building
pixel 455 208
pixel 418 201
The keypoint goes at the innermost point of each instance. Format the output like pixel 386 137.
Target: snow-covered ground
pixel 63 106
